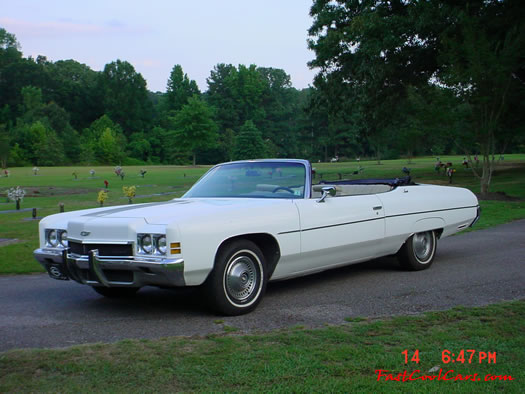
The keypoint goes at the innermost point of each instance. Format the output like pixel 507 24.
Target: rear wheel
pixel 116 292
pixel 418 251
pixel 238 281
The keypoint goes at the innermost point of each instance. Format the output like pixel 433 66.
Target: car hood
pixel 180 209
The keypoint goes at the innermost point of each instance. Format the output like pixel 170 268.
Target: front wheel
pixel 418 251
pixel 238 281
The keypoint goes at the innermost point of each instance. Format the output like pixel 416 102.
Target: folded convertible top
pixel 405 181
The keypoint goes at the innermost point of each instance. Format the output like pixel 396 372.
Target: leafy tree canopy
pixel 194 127
pixel 124 96
pixel 372 54
pixel 180 88
pixel 249 143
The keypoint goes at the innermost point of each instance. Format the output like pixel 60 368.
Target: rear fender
pixel 428 224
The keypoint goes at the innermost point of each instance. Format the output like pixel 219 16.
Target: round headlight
pixel 161 245
pixel 146 244
pixel 63 238
pixel 52 238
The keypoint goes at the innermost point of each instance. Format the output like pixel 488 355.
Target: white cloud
pixel 66 27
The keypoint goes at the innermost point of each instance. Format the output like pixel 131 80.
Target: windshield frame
pixel 305 163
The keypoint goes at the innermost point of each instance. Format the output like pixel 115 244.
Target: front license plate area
pixel 56 272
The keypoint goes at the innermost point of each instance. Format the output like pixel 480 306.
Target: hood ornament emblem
pixel 85 233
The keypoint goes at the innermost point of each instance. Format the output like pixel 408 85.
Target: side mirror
pixel 327 191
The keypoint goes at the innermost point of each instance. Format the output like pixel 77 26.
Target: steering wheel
pixel 283 188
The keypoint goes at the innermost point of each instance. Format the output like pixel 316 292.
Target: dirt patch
pixel 497 196
pixel 508 165
pixel 46 191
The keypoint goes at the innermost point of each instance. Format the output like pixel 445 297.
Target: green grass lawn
pixel 54 185
pixel 333 359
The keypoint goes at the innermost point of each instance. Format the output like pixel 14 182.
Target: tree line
pixel 63 112
pixel 395 78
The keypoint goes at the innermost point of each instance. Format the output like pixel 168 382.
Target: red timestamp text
pixel 463 356
pixel 468 356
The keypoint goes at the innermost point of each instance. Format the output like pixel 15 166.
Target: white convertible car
pixel 245 223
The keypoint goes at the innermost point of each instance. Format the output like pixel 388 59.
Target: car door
pixel 340 230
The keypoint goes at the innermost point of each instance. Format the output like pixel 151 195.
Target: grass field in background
pixel 332 359
pixel 56 185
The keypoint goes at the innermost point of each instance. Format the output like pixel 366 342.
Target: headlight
pixel 52 238
pixel 161 245
pixel 56 238
pixel 62 236
pixel 146 244
pixel 155 244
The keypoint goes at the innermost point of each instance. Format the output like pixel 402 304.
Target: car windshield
pixel 252 180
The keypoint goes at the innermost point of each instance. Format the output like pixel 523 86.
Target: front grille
pixel 103 249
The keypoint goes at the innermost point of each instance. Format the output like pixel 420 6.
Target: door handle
pixel 377 208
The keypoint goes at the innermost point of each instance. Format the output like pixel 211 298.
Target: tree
pixel 279 103
pixel 227 142
pixel 57 118
pixel 4 146
pixel 108 150
pixel 49 151
pixel 248 88
pixel 74 88
pixel 8 40
pixel 483 50
pixel 249 143
pixel 104 140
pixel 366 53
pixel 263 95
pixel 139 147
pixel 237 95
pixel 32 103
pixel 222 96
pixel 180 89
pixel 98 126
pixel 194 127
pixel 125 97
pixel 432 114
pixel 370 53
pixel 37 144
pixel 332 132
pixel 17 72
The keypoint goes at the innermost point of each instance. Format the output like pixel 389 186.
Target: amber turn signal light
pixel 175 248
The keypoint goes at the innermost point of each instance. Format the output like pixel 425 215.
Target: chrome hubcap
pixel 241 278
pixel 422 243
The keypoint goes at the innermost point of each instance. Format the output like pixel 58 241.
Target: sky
pixel 155 35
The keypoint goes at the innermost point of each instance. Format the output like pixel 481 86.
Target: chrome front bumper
pixel 113 271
